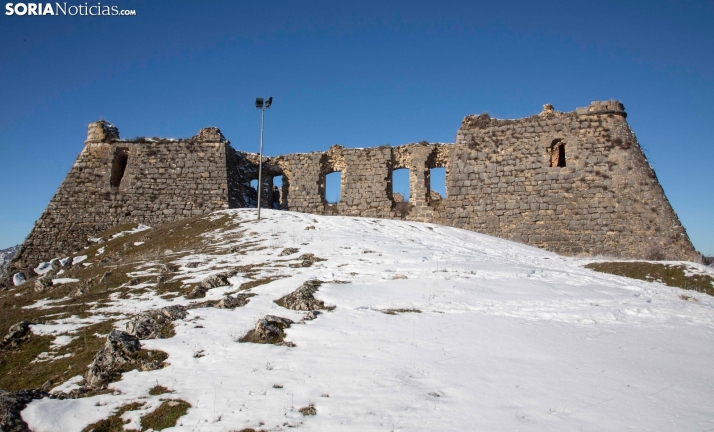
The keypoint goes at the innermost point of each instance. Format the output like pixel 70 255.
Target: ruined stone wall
pixel 575 183
pixel 503 179
pixel 162 180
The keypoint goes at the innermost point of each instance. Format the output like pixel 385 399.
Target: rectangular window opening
pixel 401 185
pixel 437 183
pixel 333 187
pixel 277 195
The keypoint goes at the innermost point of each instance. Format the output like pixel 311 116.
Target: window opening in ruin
pixel 277 195
pixel 557 154
pixel 253 193
pixel 121 157
pixel 437 183
pixel 401 185
pixel 333 187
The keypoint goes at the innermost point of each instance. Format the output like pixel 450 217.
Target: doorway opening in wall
pixel 437 183
pixel 557 154
pixel 121 158
pixel 333 187
pixel 276 197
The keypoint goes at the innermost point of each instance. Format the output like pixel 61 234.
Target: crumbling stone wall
pixel 161 180
pixel 576 183
pixel 504 179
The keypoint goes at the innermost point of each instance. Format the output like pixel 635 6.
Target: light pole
pixel 262 107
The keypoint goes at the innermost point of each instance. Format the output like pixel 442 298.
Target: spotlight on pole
pixel 259 105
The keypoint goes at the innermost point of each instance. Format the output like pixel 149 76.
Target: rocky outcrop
pixel 269 330
pixel 122 352
pixel 156 324
pixel 303 298
pixel 12 404
pixel 16 335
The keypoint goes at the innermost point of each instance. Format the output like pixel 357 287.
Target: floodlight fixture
pixel 259 103
pixel 268 102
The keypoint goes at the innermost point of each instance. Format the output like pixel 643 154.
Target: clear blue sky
pixel 354 73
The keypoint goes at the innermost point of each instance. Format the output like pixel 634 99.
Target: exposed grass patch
pixel 158 390
pixel 258 282
pixel 668 274
pixel 399 311
pixel 115 422
pixel 17 371
pixel 165 416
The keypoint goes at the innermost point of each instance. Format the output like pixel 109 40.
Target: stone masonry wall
pixel 606 200
pixel 163 180
pixel 575 183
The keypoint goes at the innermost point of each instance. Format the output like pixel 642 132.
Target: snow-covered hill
pixel 6 255
pixel 433 329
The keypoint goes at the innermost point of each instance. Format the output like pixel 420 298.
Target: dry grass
pixel 399 311
pixel 668 274
pixel 114 423
pixel 165 416
pixel 159 390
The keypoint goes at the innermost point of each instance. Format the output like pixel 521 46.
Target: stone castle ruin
pixel 575 183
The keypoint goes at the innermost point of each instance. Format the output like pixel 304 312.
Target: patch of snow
pixel 60 281
pixel 138 243
pixel 100 250
pixel 69 385
pixel 78 259
pixel 61 341
pixel 43 268
pixel 18 279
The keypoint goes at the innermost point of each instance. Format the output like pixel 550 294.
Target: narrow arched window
pixel 557 154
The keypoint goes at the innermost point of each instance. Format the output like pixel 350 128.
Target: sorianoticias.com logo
pixel 57 8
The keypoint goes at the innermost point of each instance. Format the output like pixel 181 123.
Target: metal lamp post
pixel 262 107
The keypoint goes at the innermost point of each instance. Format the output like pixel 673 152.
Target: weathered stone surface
pixel 12 404
pixel 16 335
pixel 269 330
pixel 576 183
pixel 303 298
pixel 156 324
pixel 116 353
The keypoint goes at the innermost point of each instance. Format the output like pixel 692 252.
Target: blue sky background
pixel 354 73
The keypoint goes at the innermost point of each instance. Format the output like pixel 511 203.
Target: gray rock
pixel 16 334
pixel 109 361
pixel 303 298
pixel 269 330
pixel 12 404
pixel 155 324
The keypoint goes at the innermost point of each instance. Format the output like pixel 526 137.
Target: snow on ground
pixel 508 337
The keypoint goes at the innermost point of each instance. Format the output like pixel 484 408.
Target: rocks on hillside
pixel 12 404
pixel 16 335
pixel 269 330
pixel 303 298
pixel 156 324
pixel 121 352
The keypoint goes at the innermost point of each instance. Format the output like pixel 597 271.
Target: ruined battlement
pixel 576 183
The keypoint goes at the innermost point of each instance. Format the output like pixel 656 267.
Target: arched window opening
pixel 437 183
pixel 557 154
pixel 401 186
pixel 121 158
pixel 333 187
